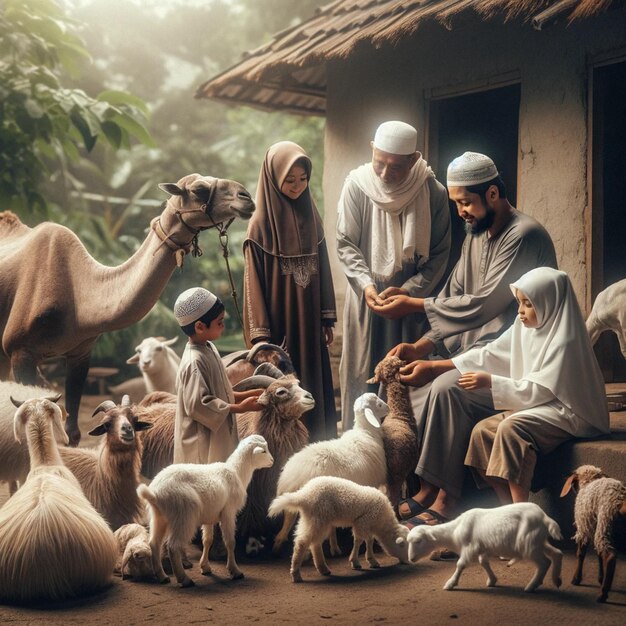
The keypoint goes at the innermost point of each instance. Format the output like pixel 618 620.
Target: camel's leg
pixel 581 551
pixel 609 561
pixel 76 375
pixel 24 366
pixel 5 366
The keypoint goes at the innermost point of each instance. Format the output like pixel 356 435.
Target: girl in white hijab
pixel 543 371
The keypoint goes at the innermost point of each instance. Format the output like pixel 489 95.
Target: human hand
pixel 406 352
pixel 328 335
pixel 247 404
pixel 392 291
pixel 475 380
pixel 395 307
pixel 242 395
pixel 371 297
pixel 417 373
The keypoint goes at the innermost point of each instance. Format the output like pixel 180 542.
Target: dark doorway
pixel 609 192
pixel 485 121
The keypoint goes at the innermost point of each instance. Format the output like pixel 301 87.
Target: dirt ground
pixel 393 594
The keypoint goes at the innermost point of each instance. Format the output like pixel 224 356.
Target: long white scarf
pixel 400 220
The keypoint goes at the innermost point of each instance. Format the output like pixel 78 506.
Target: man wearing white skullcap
pixel 204 428
pixel 474 307
pixel 393 237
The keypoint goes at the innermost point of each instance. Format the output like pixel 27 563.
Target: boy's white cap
pixel 192 304
pixel 396 138
pixel 471 168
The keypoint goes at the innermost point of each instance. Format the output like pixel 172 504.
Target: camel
pixel 56 299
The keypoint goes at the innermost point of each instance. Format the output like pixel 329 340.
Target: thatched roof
pixel 289 72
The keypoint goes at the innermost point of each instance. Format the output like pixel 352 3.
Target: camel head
pixel 204 201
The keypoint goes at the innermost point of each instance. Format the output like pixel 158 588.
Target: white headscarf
pixel 406 204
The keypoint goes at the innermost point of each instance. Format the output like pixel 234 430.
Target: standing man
pixel 393 239
pixel 475 306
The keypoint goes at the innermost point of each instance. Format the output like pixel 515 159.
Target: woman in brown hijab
pixel 288 287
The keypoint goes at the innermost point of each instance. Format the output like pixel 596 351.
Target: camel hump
pixel 10 224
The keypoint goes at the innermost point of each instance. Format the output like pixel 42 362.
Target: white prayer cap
pixel 471 168
pixel 396 138
pixel 192 304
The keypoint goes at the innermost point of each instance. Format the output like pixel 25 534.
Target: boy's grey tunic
pixel 205 429
pixel 368 337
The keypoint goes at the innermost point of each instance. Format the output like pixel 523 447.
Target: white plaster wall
pixel 376 85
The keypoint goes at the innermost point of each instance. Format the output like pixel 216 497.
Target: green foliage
pixel 40 119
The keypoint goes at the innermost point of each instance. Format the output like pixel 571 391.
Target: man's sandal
pixel 427 518
pixel 415 508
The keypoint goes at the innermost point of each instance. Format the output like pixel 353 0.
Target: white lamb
pixel 54 544
pixel 516 531
pixel 358 455
pixel 187 495
pixel 134 557
pixel 327 502
pixel 158 363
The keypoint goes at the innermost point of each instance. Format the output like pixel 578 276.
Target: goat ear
pixel 400 541
pixel 19 424
pixel 142 426
pixel 133 359
pixel 258 450
pixel 371 418
pixel 172 188
pixel 569 483
pixel 98 430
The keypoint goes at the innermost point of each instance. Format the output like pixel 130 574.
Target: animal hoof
pixel 206 571
pixel 237 575
pixel 374 564
pixel 356 565
pixel 296 577
pixel 74 438
pixel 326 573
pixel 187 583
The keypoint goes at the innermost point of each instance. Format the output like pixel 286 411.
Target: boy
pixel 205 429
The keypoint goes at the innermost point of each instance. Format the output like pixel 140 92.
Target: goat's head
pixel 151 353
pixel 256 447
pixel 369 409
pixel 119 424
pixel 204 201
pixel 387 370
pixel 420 540
pixel 582 476
pixel 40 409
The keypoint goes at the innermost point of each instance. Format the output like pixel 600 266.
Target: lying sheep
pixel 109 474
pixel 134 557
pixel 600 502
pixel 325 503
pixel 609 313
pixel 54 544
pixel 399 429
pixel 284 402
pixel 158 363
pixel 516 531
pixel 187 495
pixel 358 455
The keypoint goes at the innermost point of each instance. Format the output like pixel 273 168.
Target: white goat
pixel 516 531
pixel 186 495
pixel 54 544
pixel 327 502
pixel 358 455
pixel 158 363
pixel 134 557
pixel 600 502
pixel 109 474
pixel 609 313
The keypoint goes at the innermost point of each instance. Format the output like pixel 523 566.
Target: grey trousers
pixel 445 415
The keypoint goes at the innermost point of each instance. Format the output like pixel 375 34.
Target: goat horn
pixel 268 369
pixel 55 398
pixel 261 346
pixel 125 400
pixel 254 382
pixel 16 403
pixel 104 406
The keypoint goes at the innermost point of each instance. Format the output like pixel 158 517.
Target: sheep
pixel 399 429
pixel 14 458
pixel 109 474
pixel 358 455
pixel 600 502
pixel 187 495
pixel 157 362
pixel 54 544
pixel 133 551
pixel 516 531
pixel 284 402
pixel 242 364
pixel 327 502
pixel 609 313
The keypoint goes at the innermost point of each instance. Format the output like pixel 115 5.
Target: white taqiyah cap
pixel 192 304
pixel 471 168
pixel 396 138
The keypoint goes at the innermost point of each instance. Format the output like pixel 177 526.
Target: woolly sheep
pixel 609 313
pixel 109 474
pixel 516 531
pixel 54 544
pixel 600 501
pixel 327 502
pixel 157 362
pixel 187 495
pixel 134 557
pixel 284 402
pixel 358 455
pixel 399 429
